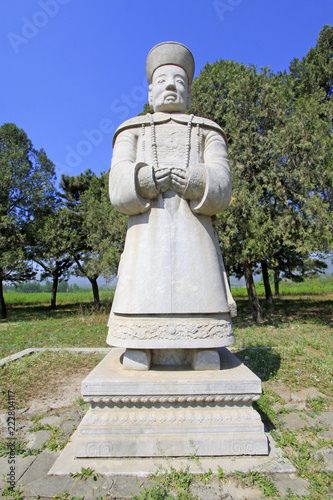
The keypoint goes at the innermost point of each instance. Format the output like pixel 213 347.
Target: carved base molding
pixel 170 411
pixel 170 331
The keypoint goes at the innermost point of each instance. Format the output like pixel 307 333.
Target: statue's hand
pixel 145 183
pixel 179 179
pixel 196 183
pixel 162 179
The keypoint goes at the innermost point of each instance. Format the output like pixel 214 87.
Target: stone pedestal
pixel 170 411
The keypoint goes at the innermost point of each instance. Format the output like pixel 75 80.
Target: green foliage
pixel 315 70
pixel 206 477
pixel 27 191
pixel 54 443
pixel 169 485
pixel 51 244
pixel 321 483
pixel 260 480
pixel 15 493
pixel 66 496
pixel 86 473
pixel 280 147
pixel 105 229
pixel 221 474
pixel 99 229
pixel 299 356
pixel 264 362
pixel 43 368
pixel 309 286
pixel 155 492
pixel 319 404
pixel 19 447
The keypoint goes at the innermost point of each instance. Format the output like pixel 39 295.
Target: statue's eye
pixel 181 82
pixel 161 80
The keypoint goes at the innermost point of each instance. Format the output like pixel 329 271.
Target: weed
pixel 321 483
pixel 36 418
pixel 66 496
pixel 39 427
pixel 194 455
pixel 317 428
pixel 6 447
pixel 53 443
pixel 168 484
pixel 205 478
pixel 80 401
pixel 31 453
pixel 285 438
pixel 86 473
pixel 181 479
pixel 14 493
pixel 155 492
pixel 221 474
pixel 318 404
pixel 260 480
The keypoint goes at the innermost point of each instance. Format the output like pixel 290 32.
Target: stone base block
pixel 205 359
pixel 137 359
pixel 170 411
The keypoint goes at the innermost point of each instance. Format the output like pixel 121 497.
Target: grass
pixel 44 298
pixel 292 349
pixel 310 286
pixel 296 342
pixel 46 370
pixel 86 473
pixel 70 325
pixel 169 485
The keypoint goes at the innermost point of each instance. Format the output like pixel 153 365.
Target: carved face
pixel 169 90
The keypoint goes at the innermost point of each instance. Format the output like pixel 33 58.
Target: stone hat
pixel 170 53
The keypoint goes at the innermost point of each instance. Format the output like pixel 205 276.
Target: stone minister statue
pixel 170 173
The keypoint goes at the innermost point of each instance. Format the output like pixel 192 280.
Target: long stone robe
pixel 172 291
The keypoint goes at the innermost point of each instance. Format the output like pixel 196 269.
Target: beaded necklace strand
pixel 154 145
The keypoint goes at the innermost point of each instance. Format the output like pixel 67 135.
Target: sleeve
pixel 123 190
pixel 216 168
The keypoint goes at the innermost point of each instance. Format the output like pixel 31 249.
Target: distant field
pixel 309 286
pixel 75 323
pixel 62 298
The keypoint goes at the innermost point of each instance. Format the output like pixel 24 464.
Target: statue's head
pixel 170 70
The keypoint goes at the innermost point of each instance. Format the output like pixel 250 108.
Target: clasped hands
pixel 171 178
pixel 152 181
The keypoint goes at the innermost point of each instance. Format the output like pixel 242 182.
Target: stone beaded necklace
pixel 154 144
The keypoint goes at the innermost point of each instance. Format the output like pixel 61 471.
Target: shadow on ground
pixel 31 311
pixel 285 310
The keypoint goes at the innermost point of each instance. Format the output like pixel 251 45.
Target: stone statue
pixel 172 306
pixel 170 173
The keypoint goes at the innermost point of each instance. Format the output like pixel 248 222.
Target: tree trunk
pixel 94 285
pixel 265 278
pixel 54 289
pixel 3 309
pixel 276 283
pixel 252 294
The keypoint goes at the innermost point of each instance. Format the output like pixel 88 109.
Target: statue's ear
pixel 150 96
pixel 189 97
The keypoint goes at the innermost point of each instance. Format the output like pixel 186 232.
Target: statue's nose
pixel 171 86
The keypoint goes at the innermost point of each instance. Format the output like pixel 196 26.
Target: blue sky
pixel 73 70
